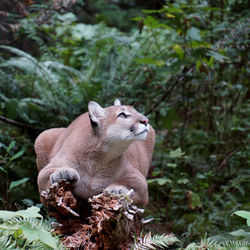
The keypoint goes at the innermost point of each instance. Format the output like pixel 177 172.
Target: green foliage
pixel 49 82
pixel 242 233
pixel 244 214
pixel 25 229
pixel 6 184
pixel 31 212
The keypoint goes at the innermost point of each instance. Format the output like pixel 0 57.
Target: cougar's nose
pixel 144 120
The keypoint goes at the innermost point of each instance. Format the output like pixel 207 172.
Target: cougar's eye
pixel 123 115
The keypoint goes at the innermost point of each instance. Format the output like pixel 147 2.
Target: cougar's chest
pixel 94 179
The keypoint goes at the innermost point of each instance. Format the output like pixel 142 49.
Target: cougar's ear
pixel 96 112
pixel 117 102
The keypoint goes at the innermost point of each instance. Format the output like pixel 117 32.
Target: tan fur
pixel 101 149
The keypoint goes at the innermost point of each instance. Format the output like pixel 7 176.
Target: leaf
pixel 18 233
pixel 14 184
pixel 170 15
pixel 17 155
pixel 244 214
pixel 172 165
pixel 176 153
pixel 154 23
pixel 217 56
pixel 151 22
pixel 178 50
pixel 160 181
pixel 198 64
pixel 241 233
pixel 33 234
pixel 3 169
pixel 151 61
pixel 173 9
pixel 31 212
pixel 194 34
pixel 193 200
pixel 11 145
pixel 3 201
pixel 28 202
pixel 8 227
pixel 85 31
pixel 183 181
pixel 68 17
pixel 152 11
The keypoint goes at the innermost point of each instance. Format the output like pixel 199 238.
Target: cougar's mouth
pixel 142 132
pixel 136 135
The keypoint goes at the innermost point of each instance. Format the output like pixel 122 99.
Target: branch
pixel 165 95
pixel 162 98
pixel 228 156
pixel 20 124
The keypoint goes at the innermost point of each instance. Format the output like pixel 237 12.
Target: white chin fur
pixel 141 137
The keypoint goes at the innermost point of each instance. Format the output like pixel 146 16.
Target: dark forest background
pixel 185 64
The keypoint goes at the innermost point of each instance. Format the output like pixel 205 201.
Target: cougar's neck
pixel 114 150
pixel 102 151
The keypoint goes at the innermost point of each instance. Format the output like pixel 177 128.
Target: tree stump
pixel 106 221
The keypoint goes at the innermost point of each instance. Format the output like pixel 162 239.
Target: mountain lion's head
pixel 118 122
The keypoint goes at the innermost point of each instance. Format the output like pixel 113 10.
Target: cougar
pixel 104 149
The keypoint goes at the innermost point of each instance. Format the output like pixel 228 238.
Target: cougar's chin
pixel 141 135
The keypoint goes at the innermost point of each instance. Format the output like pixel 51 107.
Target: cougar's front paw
pixel 68 174
pixel 116 189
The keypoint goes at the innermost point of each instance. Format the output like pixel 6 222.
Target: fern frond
pixel 215 245
pixel 192 246
pixel 159 241
pixel 19 52
pixel 31 232
pixel 60 66
pixel 55 84
pixel 235 244
pixel 38 68
pixel 6 243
